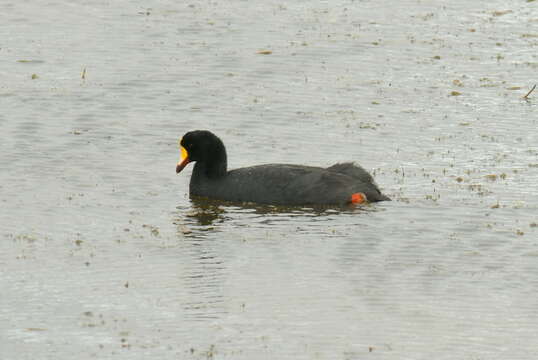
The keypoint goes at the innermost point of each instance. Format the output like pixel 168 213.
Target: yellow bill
pixel 184 160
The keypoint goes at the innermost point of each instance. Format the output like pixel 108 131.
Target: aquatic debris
pixel 26 237
pixel 485 82
pixel 83 76
pixel 265 52
pixel 455 93
pixel 480 189
pixel 26 61
pixel 34 76
pixel 154 230
pixel 211 352
pixel 501 13
pixel 530 91
pixel 367 125
pixel 184 229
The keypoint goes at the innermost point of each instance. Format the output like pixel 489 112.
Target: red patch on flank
pixel 358 198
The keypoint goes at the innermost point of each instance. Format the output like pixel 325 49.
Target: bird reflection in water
pixel 207 215
pixel 200 217
pixel 206 211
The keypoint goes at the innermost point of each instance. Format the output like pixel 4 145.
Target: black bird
pixel 273 184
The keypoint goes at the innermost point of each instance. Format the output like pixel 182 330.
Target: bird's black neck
pixel 214 168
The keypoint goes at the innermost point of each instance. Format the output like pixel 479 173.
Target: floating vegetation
pixel 34 76
pixel 455 93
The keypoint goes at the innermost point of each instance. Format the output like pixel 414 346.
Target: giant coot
pixel 273 184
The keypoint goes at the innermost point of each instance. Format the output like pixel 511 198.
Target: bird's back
pixel 283 184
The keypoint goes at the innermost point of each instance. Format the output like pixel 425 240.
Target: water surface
pixel 103 254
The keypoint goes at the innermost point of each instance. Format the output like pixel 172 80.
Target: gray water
pixel 103 255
